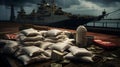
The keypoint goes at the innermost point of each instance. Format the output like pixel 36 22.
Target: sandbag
pixel 47 53
pixel 24 38
pixel 45 45
pixel 60 46
pixel 30 32
pixel 71 57
pixel 25 59
pixel 32 50
pixel 43 32
pixel 76 51
pixel 53 32
pixel 10 47
pixel 28 43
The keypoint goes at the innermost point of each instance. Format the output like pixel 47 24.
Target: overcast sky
pixel 83 7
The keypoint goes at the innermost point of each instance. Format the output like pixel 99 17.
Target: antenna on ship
pixel 53 5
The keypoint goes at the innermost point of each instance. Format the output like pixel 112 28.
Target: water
pixel 106 23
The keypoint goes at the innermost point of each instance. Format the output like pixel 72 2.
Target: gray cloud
pixel 107 3
pixel 63 3
pixel 4 13
pixel 88 7
pixel 67 3
pixel 17 2
pixel 95 7
pixel 29 5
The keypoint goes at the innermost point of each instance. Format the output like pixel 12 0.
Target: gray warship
pixel 51 15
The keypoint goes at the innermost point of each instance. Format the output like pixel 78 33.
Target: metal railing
pixel 104 24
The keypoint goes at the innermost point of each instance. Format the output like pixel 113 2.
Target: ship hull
pixel 69 23
pixel 58 21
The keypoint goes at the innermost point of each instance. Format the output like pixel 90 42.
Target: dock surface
pixel 14 27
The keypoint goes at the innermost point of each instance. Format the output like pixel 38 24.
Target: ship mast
pixel 12 16
pixel 53 6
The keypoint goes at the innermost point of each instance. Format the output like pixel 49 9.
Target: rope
pixel 113 12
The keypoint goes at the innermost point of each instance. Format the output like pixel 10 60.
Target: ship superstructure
pixel 52 15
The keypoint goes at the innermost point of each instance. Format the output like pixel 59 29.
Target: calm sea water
pixel 106 23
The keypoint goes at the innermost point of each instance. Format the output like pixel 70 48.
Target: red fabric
pixel 104 43
pixel 11 36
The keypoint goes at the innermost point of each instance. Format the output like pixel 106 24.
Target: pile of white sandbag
pixel 40 45
pixel 36 43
